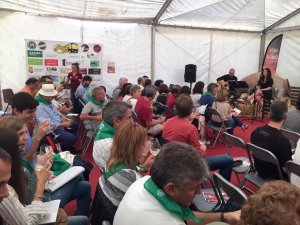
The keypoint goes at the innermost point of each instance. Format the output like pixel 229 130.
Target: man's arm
pixel 221 78
pixel 231 217
pixel 89 117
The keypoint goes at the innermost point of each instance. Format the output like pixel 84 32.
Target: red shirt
pixel 143 111
pixel 179 129
pixel 74 80
pixel 171 104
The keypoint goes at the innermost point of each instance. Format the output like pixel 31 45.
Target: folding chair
pixel 88 139
pixel 231 140
pixel 8 95
pixel 234 193
pixel 292 168
pixel 264 155
pixel 292 136
pixel 218 129
pixel 204 205
pixel 158 107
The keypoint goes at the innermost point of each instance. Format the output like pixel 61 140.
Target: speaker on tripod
pixel 190 74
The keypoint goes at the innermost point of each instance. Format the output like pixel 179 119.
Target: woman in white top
pixel 197 92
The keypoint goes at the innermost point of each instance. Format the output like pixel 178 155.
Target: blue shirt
pixel 81 90
pixel 49 113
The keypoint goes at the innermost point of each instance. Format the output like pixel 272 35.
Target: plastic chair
pixel 292 136
pixel 8 95
pixel 231 140
pixel 218 129
pixel 234 193
pixel 252 175
pixel 292 168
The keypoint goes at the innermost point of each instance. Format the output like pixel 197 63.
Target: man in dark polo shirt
pixel 270 138
pixel 229 76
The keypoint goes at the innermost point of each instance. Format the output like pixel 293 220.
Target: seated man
pixel 269 137
pixel 83 87
pixel 114 114
pixel 293 118
pixel 143 110
pixel 229 76
pixel 61 125
pixel 208 98
pixel 32 86
pixel 117 90
pixel 164 198
pixel 92 112
pixel 180 129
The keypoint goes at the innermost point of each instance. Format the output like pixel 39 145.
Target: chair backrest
pixel 168 110
pixel 264 155
pixel 292 136
pixel 232 191
pixel 158 105
pixel 292 168
pixel 8 94
pixel 234 141
pixel 214 112
pixel 81 102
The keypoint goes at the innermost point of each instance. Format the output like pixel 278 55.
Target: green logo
pixel 38 54
pixel 94 63
pixel 35 62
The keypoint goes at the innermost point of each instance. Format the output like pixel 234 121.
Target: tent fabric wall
pixel 174 48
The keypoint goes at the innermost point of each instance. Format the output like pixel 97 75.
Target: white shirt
pixel 139 207
pixel 101 152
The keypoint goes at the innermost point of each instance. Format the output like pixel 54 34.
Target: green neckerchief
pixel 185 213
pixel 105 131
pixel 208 94
pixel 59 165
pixel 27 165
pixel 41 99
pixel 100 104
pixel 114 169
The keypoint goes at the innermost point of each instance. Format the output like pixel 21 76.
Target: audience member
pixel 92 112
pixel 141 82
pixel 208 97
pixel 263 88
pixel 124 93
pixel 229 76
pixel 163 91
pixel 32 86
pixel 135 94
pixel 147 82
pixel 270 138
pixel 277 202
pixel 293 118
pixel 157 83
pixel 83 87
pixel 197 92
pixel 127 163
pixel 47 79
pixel 228 115
pixel 114 114
pixel 116 92
pixel 60 123
pixel 75 78
pixel 175 129
pixel 143 110
pixel 172 99
pixel 185 90
pixel 164 198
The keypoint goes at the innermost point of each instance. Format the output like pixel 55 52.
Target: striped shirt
pixel 14 213
pixel 116 185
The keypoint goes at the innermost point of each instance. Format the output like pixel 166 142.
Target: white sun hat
pixel 48 90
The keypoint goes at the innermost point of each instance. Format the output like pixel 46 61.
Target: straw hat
pixel 48 90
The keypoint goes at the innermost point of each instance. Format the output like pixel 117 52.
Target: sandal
pixel 245 127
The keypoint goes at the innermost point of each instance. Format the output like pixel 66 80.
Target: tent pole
pixel 152 53
pixel 210 57
pixel 261 51
pixel 161 11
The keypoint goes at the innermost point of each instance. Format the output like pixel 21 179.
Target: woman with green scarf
pixel 127 163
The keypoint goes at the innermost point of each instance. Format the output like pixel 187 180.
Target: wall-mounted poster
pixel 56 57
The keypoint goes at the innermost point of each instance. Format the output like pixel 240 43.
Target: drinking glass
pixel 155 148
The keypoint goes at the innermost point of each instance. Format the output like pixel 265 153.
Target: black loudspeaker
pixel 190 73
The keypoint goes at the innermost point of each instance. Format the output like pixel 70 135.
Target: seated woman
pixel 76 189
pixel 14 209
pixel 226 112
pixel 197 93
pixel 263 88
pixel 125 165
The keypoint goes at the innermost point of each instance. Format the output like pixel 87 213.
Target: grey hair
pixel 123 79
pixel 114 109
pixel 150 91
pixel 96 90
pixel 211 87
pixel 134 88
pixel 178 163
pixel 278 111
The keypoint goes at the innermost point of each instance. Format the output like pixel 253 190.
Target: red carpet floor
pixel 217 150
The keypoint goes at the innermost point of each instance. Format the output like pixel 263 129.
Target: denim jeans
pixel 76 189
pixel 223 163
pixel 233 122
pixel 77 220
pixel 67 137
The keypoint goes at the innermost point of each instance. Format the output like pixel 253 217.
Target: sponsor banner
pixel 35 62
pixel 272 54
pixel 55 58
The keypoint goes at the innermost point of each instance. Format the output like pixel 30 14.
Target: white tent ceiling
pixel 245 15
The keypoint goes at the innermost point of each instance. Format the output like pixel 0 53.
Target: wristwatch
pixel 222 218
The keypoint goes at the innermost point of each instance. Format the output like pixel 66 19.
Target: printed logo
pixel 35 62
pixel 94 64
pixel 51 62
pixel 38 54
pixel 31 45
pixel 42 45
